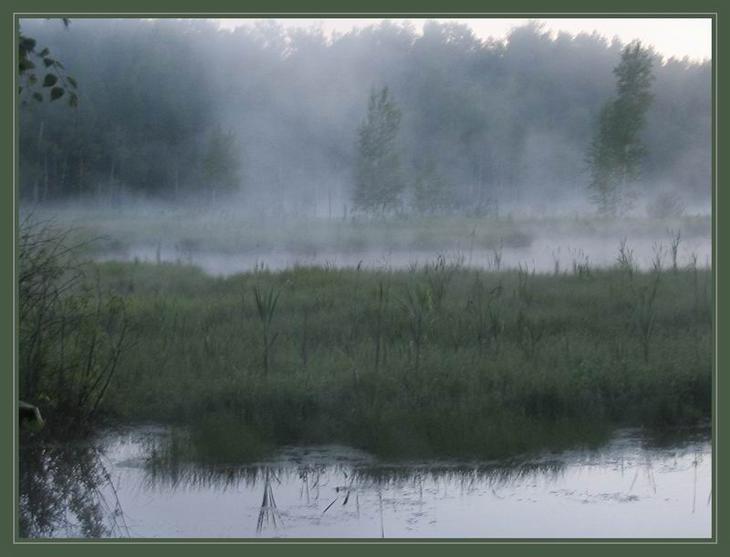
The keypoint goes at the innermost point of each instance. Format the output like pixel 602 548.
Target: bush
pixel 71 333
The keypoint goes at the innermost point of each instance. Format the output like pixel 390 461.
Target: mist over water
pixel 230 240
pixel 248 155
pixel 543 255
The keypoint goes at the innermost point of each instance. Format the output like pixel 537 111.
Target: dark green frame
pixel 328 8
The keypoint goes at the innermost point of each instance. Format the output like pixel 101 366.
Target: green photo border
pixel 329 8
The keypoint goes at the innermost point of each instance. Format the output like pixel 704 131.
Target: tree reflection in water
pixel 66 491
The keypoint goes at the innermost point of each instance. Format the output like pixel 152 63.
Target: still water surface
pixel 542 255
pixel 629 488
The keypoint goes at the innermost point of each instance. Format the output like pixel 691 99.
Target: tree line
pixel 436 122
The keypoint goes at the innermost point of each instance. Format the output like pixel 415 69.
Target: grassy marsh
pixel 435 361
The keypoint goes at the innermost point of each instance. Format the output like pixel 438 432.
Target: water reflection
pixel 67 491
pixel 268 514
pixel 340 492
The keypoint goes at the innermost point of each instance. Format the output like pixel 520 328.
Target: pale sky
pixel 671 37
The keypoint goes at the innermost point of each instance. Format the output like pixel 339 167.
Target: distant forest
pixel 175 110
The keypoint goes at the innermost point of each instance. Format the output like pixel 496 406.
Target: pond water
pixel 543 255
pixel 629 488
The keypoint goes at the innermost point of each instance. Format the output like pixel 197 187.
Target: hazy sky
pixel 677 37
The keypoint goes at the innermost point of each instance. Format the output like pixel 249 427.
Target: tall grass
pixel 645 313
pixel 418 305
pixel 378 322
pixel 433 361
pixel 265 308
pixel 625 259
pixel 72 330
pixel 676 238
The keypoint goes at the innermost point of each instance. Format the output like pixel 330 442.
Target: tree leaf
pixel 72 81
pixel 49 61
pixel 25 64
pixel 44 52
pixel 37 96
pixel 27 43
pixel 50 80
pixel 57 93
pixel 73 100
